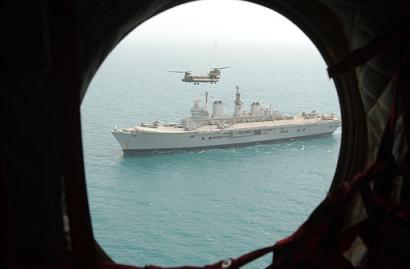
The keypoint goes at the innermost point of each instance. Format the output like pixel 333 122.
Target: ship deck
pixel 236 126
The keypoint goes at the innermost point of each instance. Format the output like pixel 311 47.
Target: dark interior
pixel 51 51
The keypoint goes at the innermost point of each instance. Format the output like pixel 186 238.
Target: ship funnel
pixel 256 108
pixel 218 109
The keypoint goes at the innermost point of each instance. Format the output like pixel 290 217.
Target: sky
pixel 219 22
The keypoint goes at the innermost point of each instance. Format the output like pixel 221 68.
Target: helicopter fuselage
pixel 201 79
pixel 212 77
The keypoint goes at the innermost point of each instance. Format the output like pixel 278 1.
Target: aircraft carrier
pixel 217 129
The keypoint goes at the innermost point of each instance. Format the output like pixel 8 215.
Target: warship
pixel 203 129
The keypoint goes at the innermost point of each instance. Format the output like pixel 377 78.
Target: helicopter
pixel 212 77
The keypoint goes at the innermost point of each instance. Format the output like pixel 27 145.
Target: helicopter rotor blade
pixel 179 71
pixel 224 67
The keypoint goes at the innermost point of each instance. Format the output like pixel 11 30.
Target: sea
pixel 199 207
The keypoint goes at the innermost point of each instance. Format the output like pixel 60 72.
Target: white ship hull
pixel 143 139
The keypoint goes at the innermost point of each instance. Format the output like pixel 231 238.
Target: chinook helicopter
pixel 213 76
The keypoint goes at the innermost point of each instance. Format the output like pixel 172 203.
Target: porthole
pixel 152 204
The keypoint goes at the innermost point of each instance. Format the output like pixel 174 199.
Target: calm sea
pixel 202 206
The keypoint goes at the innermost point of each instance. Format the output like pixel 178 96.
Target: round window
pixel 206 161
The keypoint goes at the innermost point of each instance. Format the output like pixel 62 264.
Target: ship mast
pixel 238 103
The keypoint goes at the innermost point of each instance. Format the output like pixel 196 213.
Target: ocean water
pixel 198 207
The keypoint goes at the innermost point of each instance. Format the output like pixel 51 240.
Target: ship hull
pixel 143 141
pixel 225 146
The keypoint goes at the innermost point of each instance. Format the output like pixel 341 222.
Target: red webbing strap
pixel 320 221
pixel 378 206
pixel 66 82
pixel 361 55
pixel 224 264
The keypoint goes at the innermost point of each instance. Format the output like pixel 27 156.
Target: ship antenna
pixel 206 99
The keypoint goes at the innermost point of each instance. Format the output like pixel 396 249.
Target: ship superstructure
pixel 217 129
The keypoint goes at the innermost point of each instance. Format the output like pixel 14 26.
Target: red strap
pixel 224 264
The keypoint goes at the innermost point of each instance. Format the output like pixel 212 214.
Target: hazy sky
pixel 219 22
